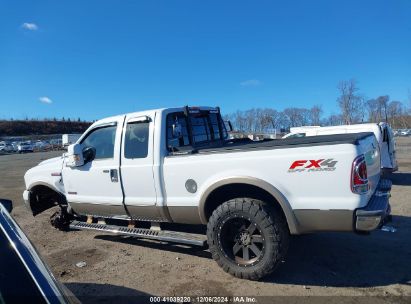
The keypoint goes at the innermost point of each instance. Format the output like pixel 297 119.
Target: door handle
pixel 114 175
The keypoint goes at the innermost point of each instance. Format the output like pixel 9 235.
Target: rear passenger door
pixel 137 166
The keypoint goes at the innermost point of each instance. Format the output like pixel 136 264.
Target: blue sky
pixel 92 59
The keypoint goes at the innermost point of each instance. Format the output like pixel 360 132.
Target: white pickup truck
pixel 177 165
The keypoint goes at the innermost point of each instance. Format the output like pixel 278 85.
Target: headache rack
pixel 204 129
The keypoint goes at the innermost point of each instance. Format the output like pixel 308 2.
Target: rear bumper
pixel 377 211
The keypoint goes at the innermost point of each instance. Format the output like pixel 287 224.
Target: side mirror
pixel 74 156
pixel 89 153
pixel 8 204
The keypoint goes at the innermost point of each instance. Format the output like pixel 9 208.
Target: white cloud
pixel 45 100
pixel 250 83
pixel 30 26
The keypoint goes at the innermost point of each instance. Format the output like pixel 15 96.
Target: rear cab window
pixel 183 140
pixel 196 130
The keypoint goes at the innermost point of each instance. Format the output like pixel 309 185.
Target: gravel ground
pixel 336 266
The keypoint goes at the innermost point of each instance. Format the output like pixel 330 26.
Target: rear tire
pixel 247 238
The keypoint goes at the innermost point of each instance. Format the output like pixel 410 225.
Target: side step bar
pixel 161 235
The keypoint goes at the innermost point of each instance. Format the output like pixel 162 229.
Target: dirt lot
pixel 327 264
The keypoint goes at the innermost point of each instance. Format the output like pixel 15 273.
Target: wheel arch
pixel 251 187
pixel 43 196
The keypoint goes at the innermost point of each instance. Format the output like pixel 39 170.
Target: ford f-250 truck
pixel 177 165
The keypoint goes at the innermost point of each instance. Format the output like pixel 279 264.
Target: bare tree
pixel 258 120
pixel 293 116
pixel 275 118
pixel 269 119
pixel 395 110
pixel 305 116
pixel 315 115
pixel 296 117
pixel 238 120
pixel 334 120
pixel 382 102
pixel 250 120
pixel 350 102
pixel 283 121
pixel 372 110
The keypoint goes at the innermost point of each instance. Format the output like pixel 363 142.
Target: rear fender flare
pixel 273 191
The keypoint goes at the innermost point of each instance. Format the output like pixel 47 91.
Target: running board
pixel 161 235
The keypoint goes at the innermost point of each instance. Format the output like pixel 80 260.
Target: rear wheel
pixel 247 238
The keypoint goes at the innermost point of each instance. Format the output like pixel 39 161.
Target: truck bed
pixel 247 144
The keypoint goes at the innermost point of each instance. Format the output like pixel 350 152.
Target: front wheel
pixel 247 238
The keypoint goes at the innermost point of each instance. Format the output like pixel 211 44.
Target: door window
pixel 136 141
pixel 101 139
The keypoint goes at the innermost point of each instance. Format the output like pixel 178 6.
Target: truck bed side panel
pixel 304 187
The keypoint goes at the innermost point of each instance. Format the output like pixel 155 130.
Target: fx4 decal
pixel 312 165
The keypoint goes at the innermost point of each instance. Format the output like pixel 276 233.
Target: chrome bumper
pixel 377 211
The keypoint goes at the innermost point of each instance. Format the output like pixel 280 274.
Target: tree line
pixel 41 127
pixel 354 108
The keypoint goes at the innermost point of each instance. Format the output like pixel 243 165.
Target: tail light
pixel 359 177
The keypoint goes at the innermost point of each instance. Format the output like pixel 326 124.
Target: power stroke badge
pixel 313 165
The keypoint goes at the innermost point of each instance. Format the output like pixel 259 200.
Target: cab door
pixel 137 167
pixel 95 187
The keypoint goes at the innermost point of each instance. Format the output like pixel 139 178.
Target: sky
pixel 93 59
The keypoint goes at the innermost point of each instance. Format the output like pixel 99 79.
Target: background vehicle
pixel 6 147
pixel 68 139
pixel 24 147
pixel 15 146
pixel 177 165
pixel 382 131
pixel 404 132
pixel 41 145
pixel 24 276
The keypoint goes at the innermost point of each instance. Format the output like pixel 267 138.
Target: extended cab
pixel 177 165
